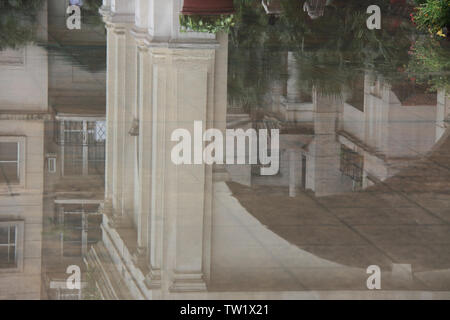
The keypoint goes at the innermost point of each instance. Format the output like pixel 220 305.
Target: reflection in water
pixel 363 177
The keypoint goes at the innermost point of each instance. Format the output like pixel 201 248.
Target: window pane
pixel 96 157
pixel 9 173
pixel 12 254
pixel 73 160
pixel 12 235
pixel 73 132
pixel 72 221
pixel 4 235
pixel 8 151
pixel 3 255
pixel 7 257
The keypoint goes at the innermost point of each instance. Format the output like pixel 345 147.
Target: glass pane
pixel 7 257
pixel 96 156
pixel 3 256
pixel 12 254
pixel 4 235
pixel 73 132
pixel 9 173
pixel 8 151
pixel 73 160
pixel 12 235
pixel 100 131
pixel 72 221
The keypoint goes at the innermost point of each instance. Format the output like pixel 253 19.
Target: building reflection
pixel 75 150
pixel 52 159
pixel 23 112
pixel 362 137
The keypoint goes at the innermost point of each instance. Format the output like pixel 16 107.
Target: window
pixel 11 234
pixel 81 226
pixel 82 146
pixel 12 168
pixel 9 162
pixel 8 241
pixel 352 166
pixel 51 164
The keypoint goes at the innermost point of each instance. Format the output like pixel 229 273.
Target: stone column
pixel 128 154
pixel 182 91
pixel 119 115
pixel 119 17
pixel 155 154
pixel 110 104
pixel 324 174
pixel 144 116
pixel 192 82
pixel 295 171
pixel 293 89
pixel 177 80
pixel 442 113
pixel 143 204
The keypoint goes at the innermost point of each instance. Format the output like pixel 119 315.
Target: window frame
pixel 21 162
pixel 19 224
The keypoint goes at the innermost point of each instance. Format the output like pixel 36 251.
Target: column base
pixel 139 257
pixel 106 208
pixel 120 222
pixel 153 279
pixel 188 282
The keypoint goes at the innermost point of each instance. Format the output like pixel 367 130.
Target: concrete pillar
pixel 123 10
pixel 119 17
pixel 178 78
pixel 193 87
pixel 323 175
pixel 141 16
pixel 145 140
pixel 118 117
pixel 182 86
pixel 106 5
pixel 128 155
pixel 293 88
pixel 295 171
pixel 110 105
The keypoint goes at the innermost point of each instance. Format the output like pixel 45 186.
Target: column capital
pixel 140 35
